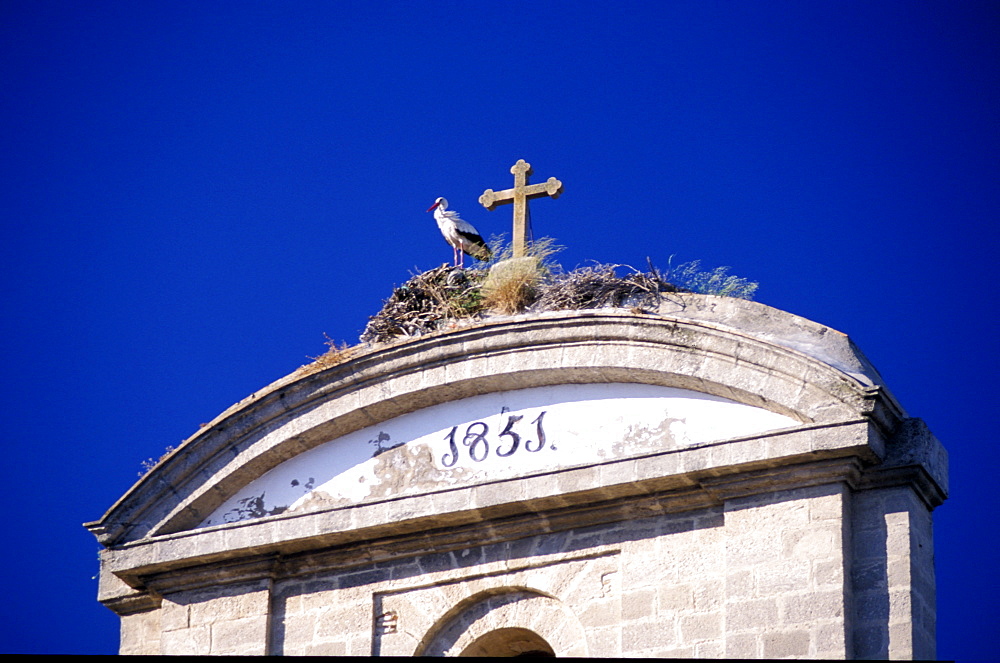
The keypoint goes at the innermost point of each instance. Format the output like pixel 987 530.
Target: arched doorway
pixel 509 642
pixel 511 622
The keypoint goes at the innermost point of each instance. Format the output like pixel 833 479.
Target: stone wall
pixel 810 539
pixel 800 573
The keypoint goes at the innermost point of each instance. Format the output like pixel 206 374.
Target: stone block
pixel 828 574
pixel 818 542
pixel 669 652
pixel 642 572
pixel 639 604
pixel 174 616
pixel 360 645
pixel 869 574
pixel 914 444
pixel 646 635
pixel 790 644
pixel 674 524
pixel 363 577
pixel 900 605
pixel 898 572
pixel 579 479
pixel 709 595
pixel 244 637
pixel 871 642
pixel 553 543
pixel 901 640
pixel 830 507
pixel 299 632
pixel 693 460
pixel 744 646
pixel 710 649
pixel 187 642
pixel 227 606
pixel 658 466
pixel 345 615
pixel 830 641
pixel 319 595
pixel 288 600
pixel 604 642
pixel 672 597
pixel 695 628
pixel 812 607
pixel 751 615
pixel 494 493
pixel 436 562
pixel 606 613
pixel 741 585
pixel 646 529
pixel 617 473
pixel 140 633
pixel 782 576
pixel 790 444
pixel 334 648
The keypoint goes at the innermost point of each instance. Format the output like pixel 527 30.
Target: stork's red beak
pixel 433 206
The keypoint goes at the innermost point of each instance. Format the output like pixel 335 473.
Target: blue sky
pixel 194 193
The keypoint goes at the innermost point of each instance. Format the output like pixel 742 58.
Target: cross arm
pixel 491 199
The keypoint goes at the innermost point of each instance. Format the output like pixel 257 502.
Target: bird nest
pixel 600 286
pixel 440 297
pixel 427 301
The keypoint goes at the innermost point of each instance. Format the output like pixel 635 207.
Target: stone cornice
pixel 489 524
pixel 678 480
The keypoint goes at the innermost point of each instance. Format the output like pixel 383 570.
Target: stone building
pixel 718 478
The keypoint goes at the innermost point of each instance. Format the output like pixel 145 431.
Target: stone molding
pixel 354 536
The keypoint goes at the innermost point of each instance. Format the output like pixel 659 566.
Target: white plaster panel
pixel 464 442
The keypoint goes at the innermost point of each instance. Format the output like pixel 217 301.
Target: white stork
pixel 460 234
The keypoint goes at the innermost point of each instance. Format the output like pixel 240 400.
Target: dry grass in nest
pixel 599 286
pixel 425 302
pixel 511 285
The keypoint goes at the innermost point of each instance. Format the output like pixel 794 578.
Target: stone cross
pixel 520 195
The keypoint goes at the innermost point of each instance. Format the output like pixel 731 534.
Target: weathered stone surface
pixel 790 644
pixel 141 633
pixel 813 540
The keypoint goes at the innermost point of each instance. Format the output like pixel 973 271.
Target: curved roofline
pixel 737 349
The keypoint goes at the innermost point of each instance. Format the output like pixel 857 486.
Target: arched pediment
pixel 498 436
pixel 713 373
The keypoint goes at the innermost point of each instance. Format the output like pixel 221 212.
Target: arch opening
pixel 509 642
pixel 506 621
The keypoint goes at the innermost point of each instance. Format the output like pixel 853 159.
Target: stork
pixel 459 233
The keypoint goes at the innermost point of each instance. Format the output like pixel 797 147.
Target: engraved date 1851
pixel 479 446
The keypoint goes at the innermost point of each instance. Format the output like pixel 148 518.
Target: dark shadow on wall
pixel 869 577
